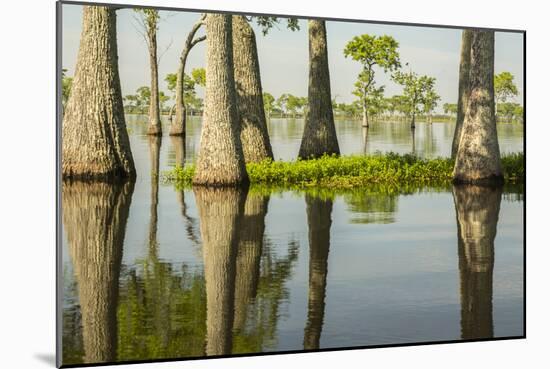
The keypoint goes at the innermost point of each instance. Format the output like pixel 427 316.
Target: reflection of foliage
pixel 161 313
pixel 259 332
pixel 73 345
pixel 418 90
pixel 371 207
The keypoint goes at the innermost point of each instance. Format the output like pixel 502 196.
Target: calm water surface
pixel 152 272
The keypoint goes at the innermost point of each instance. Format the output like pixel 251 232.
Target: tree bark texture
pixel 477 210
pixel 155 127
pixel 463 87
pixel 220 212
pixel 251 236
pixel 177 127
pixel 319 135
pixel 248 85
pixel 94 219
pixel 95 144
pixel 478 155
pixel 221 159
pixel 319 221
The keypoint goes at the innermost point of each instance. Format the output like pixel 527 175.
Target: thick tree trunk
pixel 413 121
pixel 477 210
pixel 248 85
pixel 249 256
pixel 95 141
pixel 319 221
pixel 463 87
pixel 319 135
pixel 221 159
pixel 94 219
pixel 478 155
pixel 177 127
pixel 220 212
pixel 155 127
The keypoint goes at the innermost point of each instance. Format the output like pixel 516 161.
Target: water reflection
pixel 371 206
pixel 477 211
pixel 220 212
pixel 430 140
pixel 154 155
pixel 226 277
pixel 319 213
pixel 249 255
pixel 94 219
pixel 178 148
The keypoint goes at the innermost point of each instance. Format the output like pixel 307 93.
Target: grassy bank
pixel 388 170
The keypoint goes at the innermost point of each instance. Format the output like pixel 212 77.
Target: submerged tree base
pixel 355 171
pixel 154 130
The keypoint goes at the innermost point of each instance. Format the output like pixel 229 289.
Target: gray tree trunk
pixel 177 127
pixel 95 142
pixel 94 219
pixel 155 127
pixel 365 114
pixel 365 139
pixel 221 159
pixel 319 222
pixel 319 135
pixel 249 254
pixel 254 135
pixel 478 154
pixel 154 158
pixel 463 87
pixel 220 212
pixel 477 210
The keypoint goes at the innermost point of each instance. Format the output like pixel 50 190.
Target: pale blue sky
pixel 283 54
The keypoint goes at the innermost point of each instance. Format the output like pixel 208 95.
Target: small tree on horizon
pixel 416 89
pixel 505 89
pixel 371 51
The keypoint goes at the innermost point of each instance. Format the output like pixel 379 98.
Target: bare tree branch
pixel 161 54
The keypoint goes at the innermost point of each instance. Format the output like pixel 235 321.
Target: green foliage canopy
pixel 371 51
pixel 505 87
pixel 417 91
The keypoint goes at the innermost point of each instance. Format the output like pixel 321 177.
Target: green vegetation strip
pixel 348 172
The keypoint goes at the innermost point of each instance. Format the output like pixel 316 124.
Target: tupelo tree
pixel 371 51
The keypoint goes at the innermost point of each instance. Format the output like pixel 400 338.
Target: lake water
pixel 150 272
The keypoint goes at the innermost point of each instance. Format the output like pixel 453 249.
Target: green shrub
pixel 389 170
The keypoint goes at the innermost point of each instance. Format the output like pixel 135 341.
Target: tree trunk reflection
pixel 94 218
pixel 319 221
pixel 249 255
pixel 220 212
pixel 154 157
pixel 477 210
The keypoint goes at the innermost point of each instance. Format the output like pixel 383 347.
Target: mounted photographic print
pixel 243 184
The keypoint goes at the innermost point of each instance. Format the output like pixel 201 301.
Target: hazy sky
pixel 283 54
